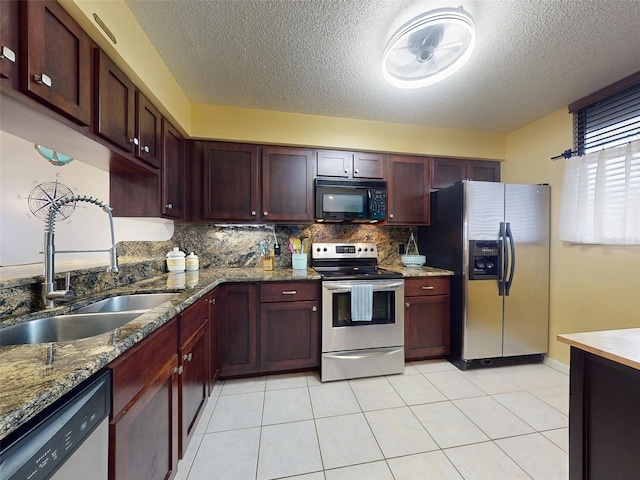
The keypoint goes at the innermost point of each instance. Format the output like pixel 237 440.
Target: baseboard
pixel 556 365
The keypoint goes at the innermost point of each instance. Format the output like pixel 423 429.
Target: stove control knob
pixel 372 248
pixel 366 249
pixel 324 249
pixel 318 249
pixel 359 249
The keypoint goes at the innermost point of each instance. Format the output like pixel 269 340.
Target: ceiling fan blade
pixel 449 46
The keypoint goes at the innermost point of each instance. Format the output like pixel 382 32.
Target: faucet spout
pixel 49 293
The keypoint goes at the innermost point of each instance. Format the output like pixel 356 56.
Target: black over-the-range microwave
pixel 350 201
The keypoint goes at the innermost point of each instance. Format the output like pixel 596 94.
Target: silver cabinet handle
pixel 356 170
pixel 178 370
pixel 428 288
pixel 212 301
pixel 7 53
pixel 289 292
pixel 391 215
pixel 188 357
pixel 43 79
pixel 145 149
pixel 134 141
pixel 314 309
pixel 169 206
pixel 253 213
pixel 265 213
pixel 407 304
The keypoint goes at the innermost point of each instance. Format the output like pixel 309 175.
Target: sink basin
pixel 124 303
pixel 61 328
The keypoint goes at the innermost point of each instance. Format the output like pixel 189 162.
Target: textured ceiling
pixel 323 57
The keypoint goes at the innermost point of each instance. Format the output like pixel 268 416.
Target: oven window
pixel 384 309
pixel 343 203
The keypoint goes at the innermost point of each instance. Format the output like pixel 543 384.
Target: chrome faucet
pixel 49 294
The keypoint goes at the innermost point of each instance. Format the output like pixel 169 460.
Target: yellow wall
pixel 137 57
pixel 592 287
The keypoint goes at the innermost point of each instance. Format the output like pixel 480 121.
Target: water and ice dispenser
pixel 484 259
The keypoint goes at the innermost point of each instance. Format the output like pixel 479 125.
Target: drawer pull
pixel 178 370
pixel 289 292
pixel 7 53
pixel 407 304
pixel 188 357
pixel 428 288
pixel 145 149
pixel 314 309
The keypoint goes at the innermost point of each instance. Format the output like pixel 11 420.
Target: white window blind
pixel 601 197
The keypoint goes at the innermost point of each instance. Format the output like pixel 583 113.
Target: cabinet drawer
pixel 416 287
pixel 193 318
pixel 288 291
pixel 136 367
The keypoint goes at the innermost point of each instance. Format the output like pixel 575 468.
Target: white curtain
pixel 601 197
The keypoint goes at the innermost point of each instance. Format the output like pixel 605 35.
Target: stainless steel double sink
pixel 93 319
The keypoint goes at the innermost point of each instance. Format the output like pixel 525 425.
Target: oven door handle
pixel 377 285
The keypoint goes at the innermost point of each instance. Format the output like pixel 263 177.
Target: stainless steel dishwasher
pixel 69 440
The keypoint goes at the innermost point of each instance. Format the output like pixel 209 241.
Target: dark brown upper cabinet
pixel 408 190
pixel 10 42
pixel 287 184
pixel 148 131
pixel 56 59
pixel 115 104
pixel 447 171
pixel 341 164
pixel 230 181
pixel 173 172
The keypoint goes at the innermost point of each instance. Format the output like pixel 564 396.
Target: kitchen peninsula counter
pixel 34 376
pixel 604 419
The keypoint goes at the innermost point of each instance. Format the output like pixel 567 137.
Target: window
pixel 601 188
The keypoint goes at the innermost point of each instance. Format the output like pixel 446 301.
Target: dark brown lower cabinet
pixel 283 335
pixel 238 330
pixel 214 350
pixel 143 430
pixel 289 336
pixel 426 317
pixel 604 418
pixel 193 355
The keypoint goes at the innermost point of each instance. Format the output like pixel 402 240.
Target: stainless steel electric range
pixel 362 312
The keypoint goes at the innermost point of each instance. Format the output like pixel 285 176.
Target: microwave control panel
pixel 378 204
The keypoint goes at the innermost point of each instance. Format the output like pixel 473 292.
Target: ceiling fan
pixel 429 48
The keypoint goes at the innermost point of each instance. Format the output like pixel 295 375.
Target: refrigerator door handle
pixel 512 260
pixel 502 262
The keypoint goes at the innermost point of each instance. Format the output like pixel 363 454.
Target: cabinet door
pixel 238 330
pixel 369 165
pixel 143 440
pixel 331 163
pixel 214 360
pixel 447 171
pixel 148 131
pixel 172 171
pixel 230 186
pixel 426 326
pixel 408 190
pixel 289 336
pixel 115 104
pixel 57 60
pixel 10 41
pixel 484 171
pixel 193 382
pixel 287 184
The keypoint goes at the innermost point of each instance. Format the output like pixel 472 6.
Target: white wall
pixel 22 169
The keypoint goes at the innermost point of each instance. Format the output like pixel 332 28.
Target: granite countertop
pixel 34 376
pixel 621 346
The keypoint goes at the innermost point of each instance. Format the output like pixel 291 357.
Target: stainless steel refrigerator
pixel 495 237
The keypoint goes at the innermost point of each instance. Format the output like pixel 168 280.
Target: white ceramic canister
pixel 192 261
pixel 176 260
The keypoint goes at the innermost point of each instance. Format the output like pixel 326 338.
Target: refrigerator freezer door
pixel 482 316
pixel 526 308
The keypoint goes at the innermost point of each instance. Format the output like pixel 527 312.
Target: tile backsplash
pixel 237 246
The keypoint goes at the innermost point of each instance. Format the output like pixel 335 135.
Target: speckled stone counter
pixel 34 376
pixel 425 271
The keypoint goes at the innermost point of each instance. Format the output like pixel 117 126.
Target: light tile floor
pixel 432 422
